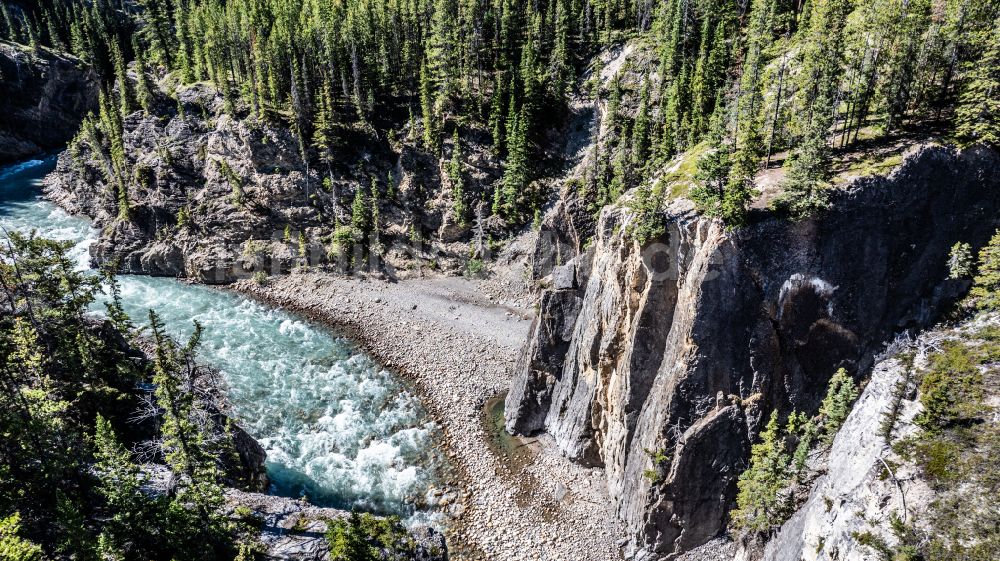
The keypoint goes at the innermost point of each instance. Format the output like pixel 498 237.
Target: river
pixel 337 427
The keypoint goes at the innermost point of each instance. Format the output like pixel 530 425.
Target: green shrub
pixel 364 537
pixel 475 267
pixel 951 390
pixel 986 286
pixel 13 547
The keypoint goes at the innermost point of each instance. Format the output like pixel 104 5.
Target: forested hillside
pixel 77 395
pixel 239 136
pixel 748 79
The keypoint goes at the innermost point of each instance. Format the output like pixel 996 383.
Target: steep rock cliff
pixel 45 96
pixel 216 195
pixel 884 492
pixel 674 351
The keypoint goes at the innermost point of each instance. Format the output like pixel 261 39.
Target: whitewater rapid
pixel 336 426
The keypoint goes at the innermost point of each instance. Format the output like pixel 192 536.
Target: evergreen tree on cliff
pixel 808 171
pixel 978 113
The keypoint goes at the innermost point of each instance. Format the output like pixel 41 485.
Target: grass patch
pixel 680 175
pixel 876 162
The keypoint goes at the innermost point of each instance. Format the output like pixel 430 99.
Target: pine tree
pixel 978 114
pixel 427 109
pixel 986 285
pixel 458 206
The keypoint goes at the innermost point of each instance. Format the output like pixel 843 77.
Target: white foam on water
pixel 337 427
pixel 20 167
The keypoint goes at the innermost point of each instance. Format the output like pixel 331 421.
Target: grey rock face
pixel 667 332
pixel 251 471
pixel 294 530
pixel 822 527
pixel 45 96
pixel 542 360
pixel 210 193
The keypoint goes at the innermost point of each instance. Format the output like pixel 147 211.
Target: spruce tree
pixel 759 503
pixel 131 511
pixel 360 216
pixel 978 114
pixel 640 130
pixel 9 29
pixel 143 93
pixel 185 431
pixel 808 169
pixel 427 109
pixel 442 47
pixel 806 184
pixel 121 78
pixel 458 206
pixel 515 174
pixel 713 171
pixel 985 291
pixel 13 547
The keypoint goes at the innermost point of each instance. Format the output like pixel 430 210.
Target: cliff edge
pixel 658 361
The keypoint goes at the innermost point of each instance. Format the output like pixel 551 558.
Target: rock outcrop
pixel 853 489
pixel 45 96
pixel 675 350
pixel 877 491
pixel 216 195
pixel 294 530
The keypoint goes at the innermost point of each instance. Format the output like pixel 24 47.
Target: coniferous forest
pixel 751 79
pixel 485 92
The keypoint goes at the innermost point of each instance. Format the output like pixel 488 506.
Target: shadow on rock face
pixel 818 342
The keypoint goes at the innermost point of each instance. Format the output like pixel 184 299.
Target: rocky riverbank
pixel 457 341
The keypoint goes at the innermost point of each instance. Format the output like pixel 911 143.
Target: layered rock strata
pixel 658 362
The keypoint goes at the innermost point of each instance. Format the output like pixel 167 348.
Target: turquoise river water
pixel 337 427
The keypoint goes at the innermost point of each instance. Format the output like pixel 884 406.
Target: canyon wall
pixel 658 362
pixel 45 96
